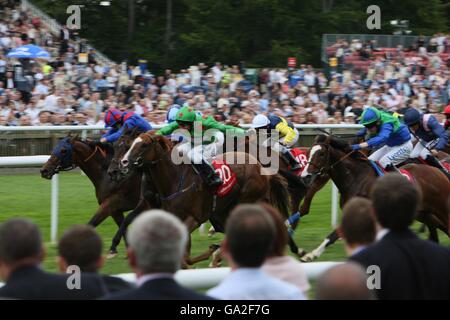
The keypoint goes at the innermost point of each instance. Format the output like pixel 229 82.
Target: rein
pixel 97 148
pixel 324 170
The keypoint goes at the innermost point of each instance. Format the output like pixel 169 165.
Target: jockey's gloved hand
pixel 356 147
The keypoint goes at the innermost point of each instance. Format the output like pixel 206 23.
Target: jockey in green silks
pixel 201 155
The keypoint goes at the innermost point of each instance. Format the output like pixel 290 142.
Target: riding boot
pixel 432 161
pixel 290 160
pixel 208 174
pixel 390 167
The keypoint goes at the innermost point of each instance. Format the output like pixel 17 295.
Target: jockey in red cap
pixel 119 121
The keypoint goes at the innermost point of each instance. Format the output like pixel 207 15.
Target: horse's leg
pixel 204 256
pixel 316 253
pixel 143 205
pixel 316 186
pixel 118 218
pixel 191 225
pixel 102 213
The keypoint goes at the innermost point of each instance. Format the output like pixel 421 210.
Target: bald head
pixel 347 281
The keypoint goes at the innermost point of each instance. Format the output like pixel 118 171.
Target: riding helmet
pixel 112 117
pixel 260 121
pixel 370 116
pixel 186 114
pixel 411 117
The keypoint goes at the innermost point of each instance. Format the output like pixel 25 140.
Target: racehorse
pixel 354 176
pixel 183 193
pixel 114 198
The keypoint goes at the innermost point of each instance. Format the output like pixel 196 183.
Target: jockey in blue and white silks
pixel 392 137
pixel 430 135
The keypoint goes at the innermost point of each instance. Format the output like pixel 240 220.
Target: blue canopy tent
pixel 28 51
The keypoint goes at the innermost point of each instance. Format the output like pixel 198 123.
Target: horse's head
pixel 321 156
pixel 121 146
pixel 145 149
pixel 61 158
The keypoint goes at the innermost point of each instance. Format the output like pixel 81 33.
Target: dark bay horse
pixel 114 198
pixel 354 176
pixel 183 193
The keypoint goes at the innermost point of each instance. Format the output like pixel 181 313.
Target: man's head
pixel 346 281
pixel 82 246
pixel 357 225
pixel 157 242
pixel 395 201
pixel 250 235
pixel 20 245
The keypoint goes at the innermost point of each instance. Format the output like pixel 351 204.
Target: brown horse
pixel 184 193
pixel 114 198
pixel 354 176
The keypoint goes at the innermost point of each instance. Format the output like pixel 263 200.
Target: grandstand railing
pixel 198 279
pixel 383 41
pixel 55 28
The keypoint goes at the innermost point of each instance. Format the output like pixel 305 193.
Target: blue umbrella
pixel 28 51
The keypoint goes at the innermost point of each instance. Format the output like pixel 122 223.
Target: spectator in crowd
pixel 347 281
pixel 411 268
pixel 82 246
pixel 250 234
pixel 21 253
pixel 277 263
pixel 357 227
pixel 157 242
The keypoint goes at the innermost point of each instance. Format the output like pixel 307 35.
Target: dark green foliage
pixel 259 32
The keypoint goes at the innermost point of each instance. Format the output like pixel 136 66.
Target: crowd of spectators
pixel 66 90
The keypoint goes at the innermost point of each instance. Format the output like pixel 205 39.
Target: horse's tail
pixel 279 194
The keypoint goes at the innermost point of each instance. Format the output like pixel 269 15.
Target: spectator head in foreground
pixel 395 201
pixel 279 264
pixel 346 281
pixel 82 246
pixel 249 238
pixel 250 234
pixel 20 246
pixel 357 227
pixel 157 242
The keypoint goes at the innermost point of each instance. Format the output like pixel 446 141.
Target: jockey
pixel 200 156
pixel 172 113
pixel 431 135
pixel 288 136
pixel 119 121
pixel 390 134
pixel 447 117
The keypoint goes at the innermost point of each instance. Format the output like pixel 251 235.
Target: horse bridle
pixel 140 163
pixel 326 170
pixel 60 168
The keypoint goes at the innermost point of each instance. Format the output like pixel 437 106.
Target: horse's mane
pixel 338 144
pixel 149 137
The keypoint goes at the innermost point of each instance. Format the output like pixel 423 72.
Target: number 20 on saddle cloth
pixel 227 175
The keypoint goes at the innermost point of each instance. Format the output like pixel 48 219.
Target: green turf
pixel 29 196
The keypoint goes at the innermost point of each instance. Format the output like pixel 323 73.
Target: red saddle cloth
pixel 302 157
pixel 407 175
pixel 227 175
pixel 445 165
pixel 403 172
